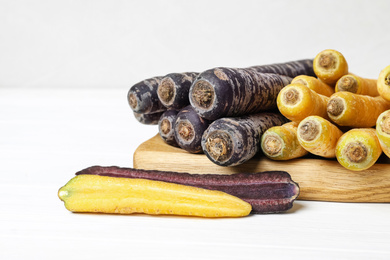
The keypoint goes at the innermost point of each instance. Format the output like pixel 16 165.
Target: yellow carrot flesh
pixel 296 102
pixel 383 131
pixel 281 143
pixel 314 84
pixel 318 136
pixel 353 110
pixel 330 65
pixel 357 85
pixel 93 193
pixel 358 149
pixel 383 84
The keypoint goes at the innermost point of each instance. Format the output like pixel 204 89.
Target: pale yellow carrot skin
pixel 318 136
pixel 353 110
pixel 329 66
pixel 358 85
pixel 358 149
pixel 281 142
pixel 101 194
pixel 383 84
pixel 296 102
pixel 314 84
pixel 383 131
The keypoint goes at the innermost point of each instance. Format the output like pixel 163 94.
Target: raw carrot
pixel 330 65
pixel 148 119
pixel 353 110
pixel 383 85
pixel 232 141
pixel 226 92
pixel 189 128
pixel 173 89
pixel 102 194
pixel 318 136
pixel 314 84
pixel 297 102
pixel 166 127
pixel 142 97
pixel 358 149
pixel 357 85
pixel 383 131
pixel 281 142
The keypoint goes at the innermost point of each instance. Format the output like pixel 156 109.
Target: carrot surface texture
pixel 101 194
pixel 318 136
pixel 383 131
pixel 297 102
pixel 383 84
pixel 281 142
pixel 314 84
pixel 329 66
pixel 357 85
pixel 358 149
pixel 353 110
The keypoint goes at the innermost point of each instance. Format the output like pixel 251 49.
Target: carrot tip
pixel 309 130
pixel 166 90
pixel 217 146
pixel 272 145
pixel 327 61
pixel 291 97
pixel 186 131
pixel 356 152
pixel 348 83
pixel 335 106
pixel 203 94
pixel 133 101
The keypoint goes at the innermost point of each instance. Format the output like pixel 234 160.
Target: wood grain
pixel 319 179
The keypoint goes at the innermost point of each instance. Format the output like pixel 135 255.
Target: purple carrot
pixel 290 69
pixel 166 126
pixel 267 192
pixel 142 97
pixel 173 89
pixel 189 128
pixel 148 119
pixel 234 140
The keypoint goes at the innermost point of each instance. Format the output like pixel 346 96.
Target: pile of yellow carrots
pixel 336 114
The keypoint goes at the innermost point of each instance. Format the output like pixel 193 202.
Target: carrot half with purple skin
pixel 223 92
pixel 267 192
pixel 232 141
pixel 142 97
pixel 189 128
pixel 173 89
pixel 166 126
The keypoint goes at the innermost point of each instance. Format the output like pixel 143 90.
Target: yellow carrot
pixel 383 131
pixel 93 193
pixel 353 110
pixel 318 136
pixel 357 85
pixel 383 84
pixel 330 65
pixel 296 102
pixel 281 142
pixel 314 84
pixel 358 149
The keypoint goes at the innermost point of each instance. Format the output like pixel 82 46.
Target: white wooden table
pixel 47 135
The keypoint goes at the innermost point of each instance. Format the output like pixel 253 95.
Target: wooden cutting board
pixel 319 179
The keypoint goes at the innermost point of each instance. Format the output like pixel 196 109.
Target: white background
pixel 65 69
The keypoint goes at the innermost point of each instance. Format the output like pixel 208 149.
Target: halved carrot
pixel 358 149
pixel 383 84
pixel 296 102
pixel 318 136
pixel 357 85
pixel 353 110
pixel 330 65
pixel 314 84
pixel 281 142
pixel 383 131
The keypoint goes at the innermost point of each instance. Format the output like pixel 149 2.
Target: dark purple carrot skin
pixel 232 141
pixel 189 128
pixel 224 92
pixel 290 69
pixel 148 119
pixel 142 97
pixel 267 192
pixel 166 126
pixel 173 89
